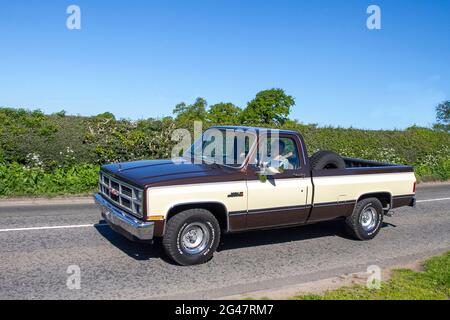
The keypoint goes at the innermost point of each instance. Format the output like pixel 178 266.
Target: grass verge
pixel 404 284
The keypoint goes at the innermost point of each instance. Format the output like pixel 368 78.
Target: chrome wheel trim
pixel 368 218
pixel 195 238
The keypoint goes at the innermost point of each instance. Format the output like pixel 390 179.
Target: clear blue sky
pixel 138 59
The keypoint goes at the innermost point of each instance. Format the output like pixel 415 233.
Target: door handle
pixel 299 175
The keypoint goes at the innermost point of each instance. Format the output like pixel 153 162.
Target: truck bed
pixel 341 189
pixel 362 163
pixel 361 166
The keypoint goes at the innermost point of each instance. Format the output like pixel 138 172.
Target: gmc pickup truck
pixel 265 180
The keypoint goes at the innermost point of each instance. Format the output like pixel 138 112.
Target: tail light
pixel 414 187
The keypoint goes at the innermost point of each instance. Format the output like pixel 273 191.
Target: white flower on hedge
pixel 34 160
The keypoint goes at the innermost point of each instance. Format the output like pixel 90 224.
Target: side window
pixel 287 152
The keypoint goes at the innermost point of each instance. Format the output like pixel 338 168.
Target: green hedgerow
pixel 55 144
pixel 16 180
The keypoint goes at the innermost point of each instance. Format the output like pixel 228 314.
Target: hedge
pixel 17 180
pixel 57 153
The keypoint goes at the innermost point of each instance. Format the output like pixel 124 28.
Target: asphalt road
pixel 34 257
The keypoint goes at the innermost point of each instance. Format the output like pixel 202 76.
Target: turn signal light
pixel 155 218
pixel 414 187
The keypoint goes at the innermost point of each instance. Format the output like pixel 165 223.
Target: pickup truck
pixel 191 201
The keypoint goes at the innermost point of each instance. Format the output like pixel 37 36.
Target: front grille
pixel 121 194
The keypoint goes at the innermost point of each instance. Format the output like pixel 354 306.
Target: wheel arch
pixel 218 209
pixel 385 198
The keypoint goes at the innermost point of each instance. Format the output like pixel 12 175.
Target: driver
pixel 283 156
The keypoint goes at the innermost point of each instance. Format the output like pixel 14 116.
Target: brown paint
pixel 362 170
pixel 158 231
pixel 237 222
pixel 277 217
pixel 402 201
pixel 329 211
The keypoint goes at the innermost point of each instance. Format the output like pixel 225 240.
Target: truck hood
pixel 167 172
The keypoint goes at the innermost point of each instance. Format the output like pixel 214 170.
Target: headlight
pixel 139 194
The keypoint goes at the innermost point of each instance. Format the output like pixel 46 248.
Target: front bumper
pixel 124 223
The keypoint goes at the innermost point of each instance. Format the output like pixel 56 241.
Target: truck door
pixel 284 198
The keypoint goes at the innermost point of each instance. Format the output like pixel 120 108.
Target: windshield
pixel 229 147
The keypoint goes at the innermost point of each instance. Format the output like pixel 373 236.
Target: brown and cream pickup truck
pixel 235 179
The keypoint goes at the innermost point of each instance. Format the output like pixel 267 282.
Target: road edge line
pixel 47 202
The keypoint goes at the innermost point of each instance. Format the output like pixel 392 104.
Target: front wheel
pixel 366 219
pixel 191 237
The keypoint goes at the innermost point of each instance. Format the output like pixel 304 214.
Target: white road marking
pixel 104 224
pixel 55 227
pixel 430 200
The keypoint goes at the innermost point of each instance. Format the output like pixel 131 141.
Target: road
pixel 39 243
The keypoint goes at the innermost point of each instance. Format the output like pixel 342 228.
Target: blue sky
pixel 138 59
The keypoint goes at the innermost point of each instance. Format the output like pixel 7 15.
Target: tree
pixel 443 116
pixel 105 115
pixel 270 107
pixel 224 113
pixel 188 113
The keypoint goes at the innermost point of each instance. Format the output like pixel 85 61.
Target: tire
pixel 191 237
pixel 366 219
pixel 326 160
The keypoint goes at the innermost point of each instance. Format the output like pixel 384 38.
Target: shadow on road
pixel 136 250
pixel 146 251
pixel 281 235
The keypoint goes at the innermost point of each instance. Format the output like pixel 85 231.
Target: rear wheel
pixel 365 221
pixel 191 237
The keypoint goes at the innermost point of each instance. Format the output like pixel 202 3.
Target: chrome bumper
pixel 124 223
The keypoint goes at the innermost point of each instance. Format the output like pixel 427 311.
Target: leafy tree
pixel 224 113
pixel 61 113
pixel 443 116
pixel 270 107
pixel 105 115
pixel 188 113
